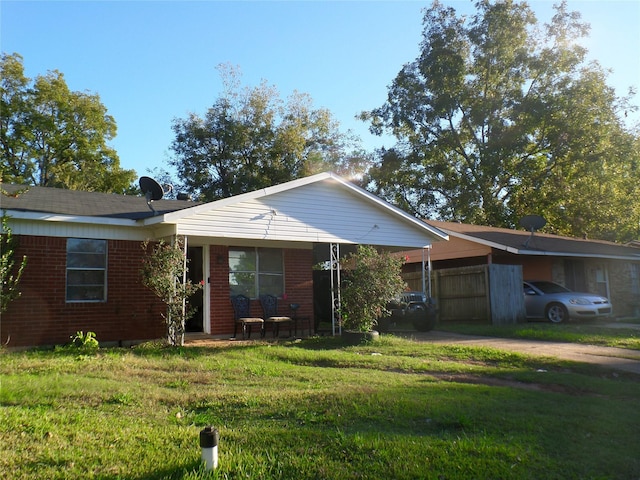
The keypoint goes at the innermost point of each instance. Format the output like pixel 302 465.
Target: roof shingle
pixel 540 243
pixel 88 204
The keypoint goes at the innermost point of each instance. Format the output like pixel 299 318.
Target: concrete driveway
pixel 615 358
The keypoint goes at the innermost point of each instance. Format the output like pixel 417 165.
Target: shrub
pixel 162 272
pixel 85 342
pixel 375 279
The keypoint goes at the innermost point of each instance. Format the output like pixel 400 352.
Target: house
pixel 84 253
pixel 596 266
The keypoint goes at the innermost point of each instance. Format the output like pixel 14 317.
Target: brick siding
pixel 41 315
pixel 298 288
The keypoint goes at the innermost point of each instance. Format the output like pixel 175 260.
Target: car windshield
pixel 549 287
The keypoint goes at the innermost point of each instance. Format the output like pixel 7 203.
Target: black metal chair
pixel 270 309
pixel 242 316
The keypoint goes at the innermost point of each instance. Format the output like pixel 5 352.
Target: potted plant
pixel 372 279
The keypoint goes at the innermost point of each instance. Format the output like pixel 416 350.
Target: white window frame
pixel 258 272
pixel 602 280
pixel 96 267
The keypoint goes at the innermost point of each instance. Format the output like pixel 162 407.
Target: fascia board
pixel 541 253
pixel 578 255
pixel 54 217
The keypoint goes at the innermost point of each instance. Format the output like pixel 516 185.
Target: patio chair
pixel 242 317
pixel 270 309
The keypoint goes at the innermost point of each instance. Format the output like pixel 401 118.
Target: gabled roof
pixel 521 242
pixel 323 208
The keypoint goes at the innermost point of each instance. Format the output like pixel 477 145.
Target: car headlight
pixel 579 301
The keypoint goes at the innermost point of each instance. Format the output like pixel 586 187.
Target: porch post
pixel 429 266
pixel 184 274
pixel 335 288
pixel 424 287
pixel 184 281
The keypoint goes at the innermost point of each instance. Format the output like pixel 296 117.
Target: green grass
pixel 586 333
pixel 315 409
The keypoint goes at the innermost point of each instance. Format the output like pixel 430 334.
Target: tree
pixel 164 273
pixel 250 139
pixel 53 137
pixel 498 118
pixel 9 275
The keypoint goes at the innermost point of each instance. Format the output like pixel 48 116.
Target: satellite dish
pixel 532 223
pixel 152 190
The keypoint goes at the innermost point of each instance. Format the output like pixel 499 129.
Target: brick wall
pixel 625 301
pixel 298 287
pixel 299 284
pixel 41 316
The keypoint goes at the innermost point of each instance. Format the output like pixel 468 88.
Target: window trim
pixel 104 271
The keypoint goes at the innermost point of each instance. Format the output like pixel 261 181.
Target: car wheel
pixel 556 313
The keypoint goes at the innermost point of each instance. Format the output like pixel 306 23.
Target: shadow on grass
pixel 189 471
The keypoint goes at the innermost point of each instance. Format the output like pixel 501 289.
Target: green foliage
pixel 163 272
pixel 499 117
pixel 250 139
pixel 85 341
pixel 315 410
pixel 9 275
pixel 371 282
pixel 53 137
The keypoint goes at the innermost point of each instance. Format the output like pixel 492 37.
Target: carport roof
pixel 521 242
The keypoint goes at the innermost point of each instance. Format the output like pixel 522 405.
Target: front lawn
pixel 315 409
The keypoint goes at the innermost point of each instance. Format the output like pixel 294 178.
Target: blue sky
pixel 153 61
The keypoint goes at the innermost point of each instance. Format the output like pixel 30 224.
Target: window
pixel 635 278
pixel 256 271
pixel 86 270
pixel 602 287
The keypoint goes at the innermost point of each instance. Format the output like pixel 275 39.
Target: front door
pixel 196 275
pixel 574 273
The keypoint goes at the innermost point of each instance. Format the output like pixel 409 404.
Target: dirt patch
pixel 504 382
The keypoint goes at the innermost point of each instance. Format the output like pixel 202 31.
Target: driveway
pixel 615 358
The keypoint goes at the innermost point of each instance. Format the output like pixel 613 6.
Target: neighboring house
pixel 596 266
pixel 84 253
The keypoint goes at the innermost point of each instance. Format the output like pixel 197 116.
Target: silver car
pixel 556 303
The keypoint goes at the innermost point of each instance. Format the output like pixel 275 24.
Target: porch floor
pixel 198 339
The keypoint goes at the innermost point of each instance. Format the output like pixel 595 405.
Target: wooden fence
pixel 483 293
